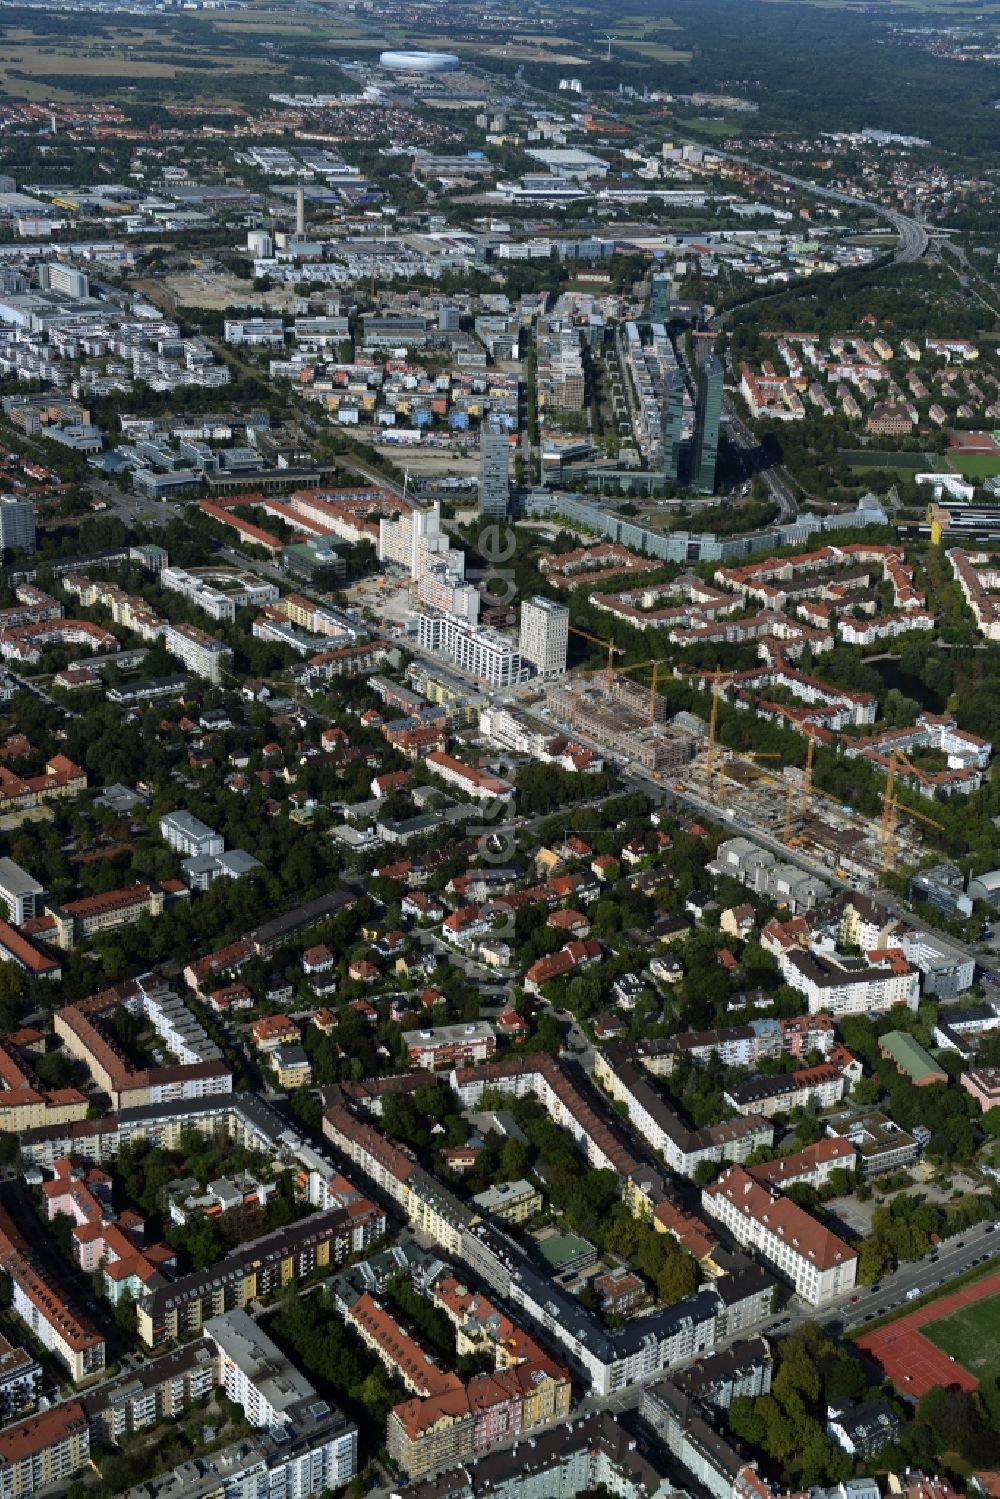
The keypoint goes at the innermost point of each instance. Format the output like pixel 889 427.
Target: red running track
pixel 909 1359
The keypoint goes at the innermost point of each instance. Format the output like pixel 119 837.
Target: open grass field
pixel 22 63
pixel 975 465
pixel 706 125
pixel 971 1337
pixel 323 29
pixel 652 51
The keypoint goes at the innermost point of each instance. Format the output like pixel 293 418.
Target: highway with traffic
pixel 913 236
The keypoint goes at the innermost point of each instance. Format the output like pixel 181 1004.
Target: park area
pixel 953 1341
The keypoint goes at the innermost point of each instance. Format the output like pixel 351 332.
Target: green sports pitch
pixel 971 1336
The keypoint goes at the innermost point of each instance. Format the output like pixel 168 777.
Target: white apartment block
pixel 221 603
pixel 54 1325
pixel 440 589
pixel 199 652
pixel 20 892
pixel 818 1264
pixel 256 1375
pixel 259 332
pixel 845 986
pixel 189 836
pixel 483 653
pixel 544 636
pixel 414 540
pixel 179 1030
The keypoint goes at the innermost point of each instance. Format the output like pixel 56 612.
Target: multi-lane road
pixel 913 236
pixel 749 450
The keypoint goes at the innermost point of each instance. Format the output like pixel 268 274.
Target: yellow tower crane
pixel 807 778
pixel 713 719
pixel 608 645
pixel 656 663
pixel 892 807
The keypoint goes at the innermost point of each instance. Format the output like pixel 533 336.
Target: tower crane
pixel 655 663
pixel 807 778
pixel 713 719
pixel 892 807
pixel 608 645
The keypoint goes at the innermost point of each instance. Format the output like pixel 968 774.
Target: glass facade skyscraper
pixel 707 417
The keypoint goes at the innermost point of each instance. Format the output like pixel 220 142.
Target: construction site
pixel 622 717
pixel 785 802
pixel 630 721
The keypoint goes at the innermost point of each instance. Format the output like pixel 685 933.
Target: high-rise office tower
pixel 17 523
pixel 673 424
pixel 707 416
pixel 494 462
pixel 660 293
pixel 544 638
pixel 300 212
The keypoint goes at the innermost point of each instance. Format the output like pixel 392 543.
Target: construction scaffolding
pixel 615 715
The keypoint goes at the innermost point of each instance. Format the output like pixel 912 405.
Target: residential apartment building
pixel 583 1454
pixel 812 1166
pixel 544 636
pixel 219 592
pixel 125 609
pixel 43 1452
pixel 852 986
pixel 255 1270
pixel 683 1412
pixel 560 376
pixel 61 779
pixel 255 1374
pixel 266 1465
pixel 20 892
pixel 79 919
pixel 480 651
pixel 811 1088
pixel 510 1202
pixel 20 1381
pixel 189 836
pixel 394 1171
pixel 441 591
pixel 199 1072
pixel 414 540
pixel 467 778
pixel 201 654
pixel 818 1264
pixel 983 1084
pixel 494 467
pixel 151 1392
pixel 759 870
pixel 657 1122
pixel 461 1045
pixel 17 523
pixel 57 1326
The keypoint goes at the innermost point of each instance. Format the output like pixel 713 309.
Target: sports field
pixel 916 1351
pixel 971 1337
pixel 975 465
